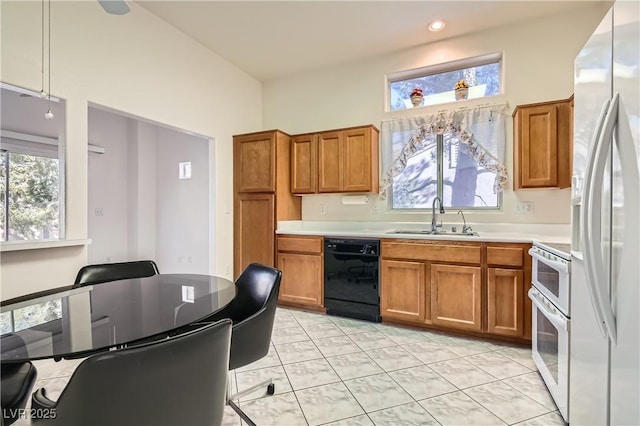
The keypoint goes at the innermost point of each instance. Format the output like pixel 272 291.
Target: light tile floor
pixel 343 372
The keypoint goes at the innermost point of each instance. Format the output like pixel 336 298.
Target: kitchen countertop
pixel 506 233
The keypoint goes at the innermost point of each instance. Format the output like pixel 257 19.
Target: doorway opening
pixel 150 193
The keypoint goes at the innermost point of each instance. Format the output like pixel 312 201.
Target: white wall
pixel 182 209
pixel 138 208
pixel 108 180
pixel 538 66
pixel 141 66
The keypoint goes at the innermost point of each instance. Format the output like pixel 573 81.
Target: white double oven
pixel 550 295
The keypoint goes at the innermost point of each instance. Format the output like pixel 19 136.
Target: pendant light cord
pixel 49 55
pixel 42 50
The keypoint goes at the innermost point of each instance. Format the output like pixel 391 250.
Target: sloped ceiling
pixel 271 39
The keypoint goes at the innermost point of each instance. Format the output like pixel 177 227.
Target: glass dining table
pixel 73 322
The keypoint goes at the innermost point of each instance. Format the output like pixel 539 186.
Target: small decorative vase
pixel 462 93
pixel 416 100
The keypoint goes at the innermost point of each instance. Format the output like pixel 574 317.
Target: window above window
pixel 438 82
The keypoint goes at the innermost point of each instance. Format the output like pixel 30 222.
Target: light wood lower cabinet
pixel 472 287
pixel 301 278
pixel 404 297
pixel 301 261
pixel 456 296
pixel 505 301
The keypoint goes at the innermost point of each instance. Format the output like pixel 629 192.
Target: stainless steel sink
pixel 429 232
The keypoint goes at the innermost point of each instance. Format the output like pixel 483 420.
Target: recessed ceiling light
pixel 436 25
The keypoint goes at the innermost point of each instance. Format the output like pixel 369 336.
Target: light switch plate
pixel 184 170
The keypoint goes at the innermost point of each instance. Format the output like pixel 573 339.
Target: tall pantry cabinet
pixel 262 195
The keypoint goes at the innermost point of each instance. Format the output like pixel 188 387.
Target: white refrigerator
pixel 604 366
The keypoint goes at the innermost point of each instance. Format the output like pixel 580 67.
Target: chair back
pixel 17 381
pixel 96 274
pixel 176 381
pixel 253 312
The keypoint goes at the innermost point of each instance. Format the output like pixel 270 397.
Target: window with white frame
pixel 456 156
pixel 437 83
pixel 29 191
pixel 31 165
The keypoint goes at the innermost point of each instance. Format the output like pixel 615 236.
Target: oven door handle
pixel 556 319
pixel 558 266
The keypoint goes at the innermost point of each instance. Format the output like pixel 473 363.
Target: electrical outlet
pixel 179 259
pixel 99 211
pixel 323 209
pixel 525 207
pixel 376 209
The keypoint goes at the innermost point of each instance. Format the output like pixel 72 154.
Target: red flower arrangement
pixel 416 92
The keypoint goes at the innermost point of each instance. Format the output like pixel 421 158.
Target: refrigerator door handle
pixel 585 219
pixel 630 180
pixel 595 205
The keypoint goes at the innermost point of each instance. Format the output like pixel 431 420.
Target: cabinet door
pixel 505 302
pixel 538 155
pixel 330 170
pixel 357 160
pixel 303 164
pixel 254 230
pixel 301 278
pixel 403 290
pixel 456 296
pixel 254 162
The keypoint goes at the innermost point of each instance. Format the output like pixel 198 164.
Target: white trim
pixel 444 67
pixel 45 140
pixel 41 244
pixel 28 92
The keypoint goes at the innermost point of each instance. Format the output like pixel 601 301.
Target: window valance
pixel 482 129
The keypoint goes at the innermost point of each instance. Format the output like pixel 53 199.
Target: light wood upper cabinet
pixel 346 160
pixel 403 296
pixel 543 139
pixel 301 261
pixel 360 160
pixel 456 296
pixel 330 166
pixel 255 162
pixel 304 174
pixel 505 296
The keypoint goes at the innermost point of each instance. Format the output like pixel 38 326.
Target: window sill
pixel 44 244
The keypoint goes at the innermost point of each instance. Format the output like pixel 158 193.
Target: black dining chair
pixel 100 273
pixel 17 380
pixel 181 380
pixel 253 313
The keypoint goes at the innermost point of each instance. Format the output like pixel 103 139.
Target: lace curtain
pixel 481 129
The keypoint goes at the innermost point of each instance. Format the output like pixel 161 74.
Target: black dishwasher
pixel 351 278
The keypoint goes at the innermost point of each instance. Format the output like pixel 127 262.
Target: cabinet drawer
pixel 505 256
pixel 300 244
pixel 450 252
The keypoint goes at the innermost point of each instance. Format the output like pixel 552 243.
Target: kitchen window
pixel 437 82
pixel 455 155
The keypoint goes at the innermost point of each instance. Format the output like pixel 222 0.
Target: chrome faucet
pixel 465 228
pixel 434 223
